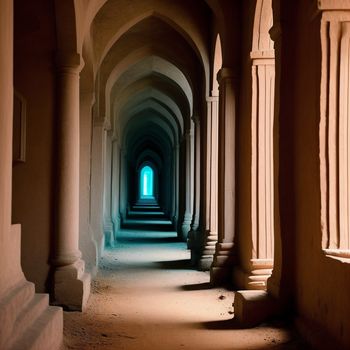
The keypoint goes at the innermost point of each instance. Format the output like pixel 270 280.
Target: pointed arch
pixel 263 22
pixel 217 64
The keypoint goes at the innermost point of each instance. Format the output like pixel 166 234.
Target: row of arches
pixel 172 107
pixel 169 107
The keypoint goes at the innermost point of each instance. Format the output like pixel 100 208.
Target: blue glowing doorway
pixel 146 182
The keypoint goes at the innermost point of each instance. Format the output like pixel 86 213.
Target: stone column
pixel 193 233
pixel 222 266
pixel 108 228
pixel 123 185
pixel 87 243
pixel 253 273
pixel 177 181
pixel 20 307
pixel 115 185
pixel 71 284
pixel 175 184
pixel 98 155
pixel 186 225
pixel 211 224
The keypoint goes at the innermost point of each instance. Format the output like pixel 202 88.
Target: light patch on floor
pixel 146 296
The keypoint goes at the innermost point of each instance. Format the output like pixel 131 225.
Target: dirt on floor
pixel 146 296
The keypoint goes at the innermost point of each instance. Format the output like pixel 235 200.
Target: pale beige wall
pixel 322 284
pixel 33 182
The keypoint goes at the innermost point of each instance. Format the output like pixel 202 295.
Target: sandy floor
pixel 145 296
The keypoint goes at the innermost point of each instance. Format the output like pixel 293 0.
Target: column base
pixel 191 237
pixel 174 221
pixel 205 262
pixel 206 259
pixel 28 322
pixel 72 286
pixel 257 276
pixel 186 227
pixel 108 230
pixel 195 244
pixel 116 225
pixel 221 269
pixel 252 307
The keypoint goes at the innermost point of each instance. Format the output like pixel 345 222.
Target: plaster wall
pixel 322 283
pixel 33 181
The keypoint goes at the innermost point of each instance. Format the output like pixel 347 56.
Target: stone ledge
pixel 28 322
pixel 252 307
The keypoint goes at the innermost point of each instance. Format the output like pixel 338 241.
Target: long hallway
pixel 146 296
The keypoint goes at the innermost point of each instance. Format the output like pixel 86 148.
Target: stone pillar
pixel 186 225
pixel 123 185
pixel 176 185
pixel 98 155
pixel 108 228
pixel 254 272
pixel 334 127
pixel 115 185
pixel 211 224
pixel 222 266
pixel 24 316
pixel 193 233
pixel 87 243
pixel 71 284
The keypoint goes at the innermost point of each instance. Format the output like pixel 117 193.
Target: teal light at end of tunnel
pixel 146 182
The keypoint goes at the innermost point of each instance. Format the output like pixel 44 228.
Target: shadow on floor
pixel 175 265
pixel 221 325
pixel 198 286
pixel 148 240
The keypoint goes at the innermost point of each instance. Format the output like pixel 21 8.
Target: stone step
pixel 44 333
pixel 146 208
pixel 147 215
pixel 31 312
pixel 148 225
pixel 11 306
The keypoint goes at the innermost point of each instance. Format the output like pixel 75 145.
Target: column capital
pixel 115 136
pixel 103 122
pixel 71 61
pixel 188 133
pixel 226 73
pixel 214 93
pixel 324 5
pixel 212 98
pixel 196 119
pixel 262 56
